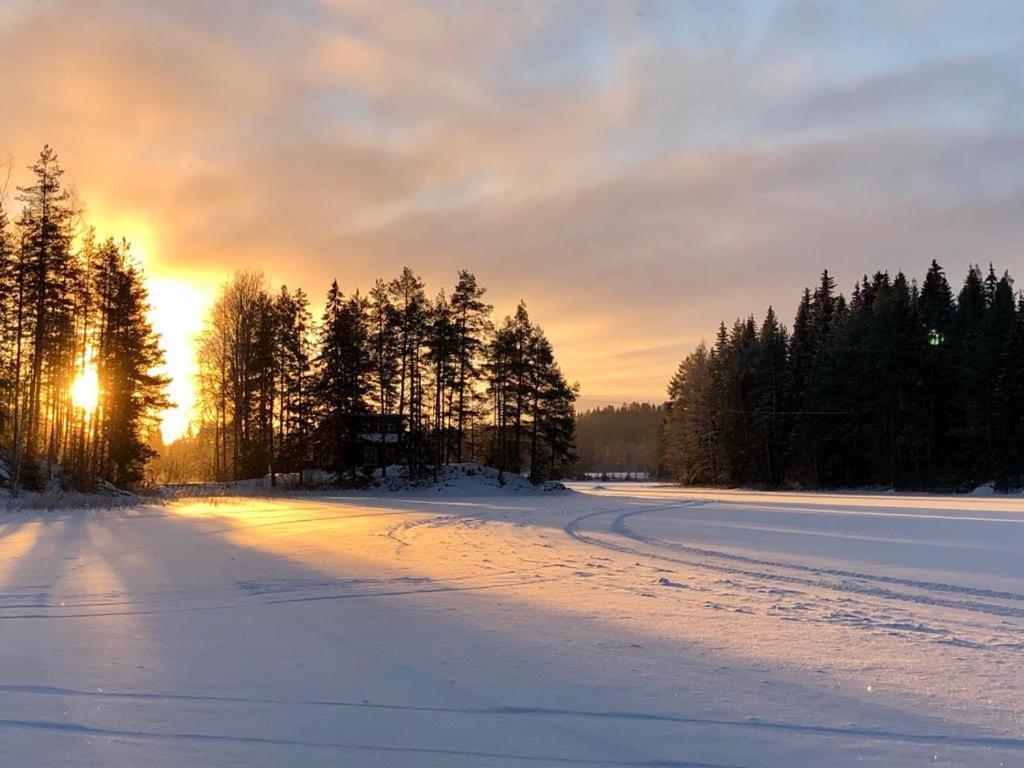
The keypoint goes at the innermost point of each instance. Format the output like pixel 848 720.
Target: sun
pixel 178 302
pixel 85 390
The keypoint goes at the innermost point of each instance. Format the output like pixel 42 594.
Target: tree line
pixel 619 438
pixel 902 385
pixel 422 381
pixel 78 388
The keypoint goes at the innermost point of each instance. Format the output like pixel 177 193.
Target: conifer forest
pixel 903 384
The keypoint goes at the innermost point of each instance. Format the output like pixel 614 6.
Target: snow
pixel 452 479
pixel 468 478
pixel 624 625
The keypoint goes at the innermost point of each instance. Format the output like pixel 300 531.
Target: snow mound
pixel 989 490
pixel 53 500
pixel 985 490
pixel 467 478
pixel 282 484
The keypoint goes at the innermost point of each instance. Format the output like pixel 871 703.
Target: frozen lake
pixel 622 625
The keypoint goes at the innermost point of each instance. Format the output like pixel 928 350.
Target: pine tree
pixel 442 347
pixel 237 376
pixel 48 271
pixel 8 324
pixel 385 354
pixel 552 413
pixel 509 385
pixel 126 358
pixel 344 366
pixel 472 324
pixel 71 315
pixel 411 314
pixel 394 354
pixel 294 419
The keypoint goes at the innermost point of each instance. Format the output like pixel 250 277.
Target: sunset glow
pixel 693 182
pixel 85 390
pixel 178 305
pixel 178 302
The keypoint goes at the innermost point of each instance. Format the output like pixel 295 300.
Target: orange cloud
pixel 636 171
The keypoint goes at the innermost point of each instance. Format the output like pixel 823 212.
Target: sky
pixel 635 170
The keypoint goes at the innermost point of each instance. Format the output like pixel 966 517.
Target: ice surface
pixel 632 625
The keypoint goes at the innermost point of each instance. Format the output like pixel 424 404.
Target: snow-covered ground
pixel 631 625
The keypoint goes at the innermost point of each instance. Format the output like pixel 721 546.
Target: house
pixel 381 441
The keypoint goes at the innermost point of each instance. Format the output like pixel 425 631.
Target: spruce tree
pixel 971 429
pixel 127 356
pixel 935 309
pixel 770 386
pixel 901 387
pixel 294 386
pixel 344 366
pixel 1008 410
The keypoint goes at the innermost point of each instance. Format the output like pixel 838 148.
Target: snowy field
pixel 624 625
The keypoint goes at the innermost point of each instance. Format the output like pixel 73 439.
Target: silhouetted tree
pixel 900 386
pixel 344 365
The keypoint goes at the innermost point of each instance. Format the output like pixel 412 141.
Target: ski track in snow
pixel 641 627
pixel 764 572
pixel 842 581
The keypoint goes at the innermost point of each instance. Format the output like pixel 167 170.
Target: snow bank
pixel 106 495
pixel 468 478
pixel 57 499
pixel 985 490
pixel 989 490
pixel 283 484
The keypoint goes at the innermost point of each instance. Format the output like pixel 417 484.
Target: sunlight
pixel 85 390
pixel 178 303
pixel 178 306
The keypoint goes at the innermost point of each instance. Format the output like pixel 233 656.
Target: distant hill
pixel 619 438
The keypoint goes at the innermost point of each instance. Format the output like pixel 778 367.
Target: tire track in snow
pixel 138 735
pixel 860 584
pixel 851 732
pixel 619 526
pixel 355 595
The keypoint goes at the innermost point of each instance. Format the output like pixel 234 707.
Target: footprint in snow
pixel 668 583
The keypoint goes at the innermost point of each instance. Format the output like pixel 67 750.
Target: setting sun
pixel 178 301
pixel 85 391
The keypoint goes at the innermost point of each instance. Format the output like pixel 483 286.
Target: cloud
pixel 635 170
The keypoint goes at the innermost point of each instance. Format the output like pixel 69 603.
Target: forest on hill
pixel 619 439
pixel 902 385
